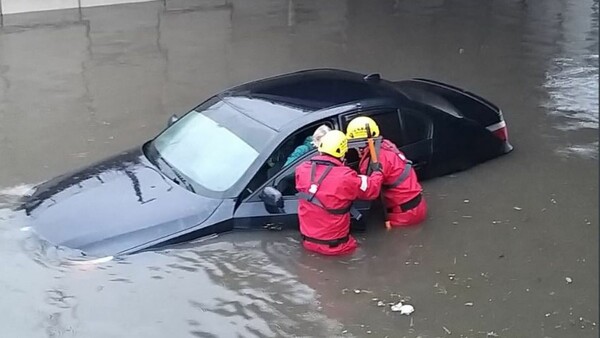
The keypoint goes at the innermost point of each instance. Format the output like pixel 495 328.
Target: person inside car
pixel 326 189
pixel 309 143
pixel 286 185
pixel 402 193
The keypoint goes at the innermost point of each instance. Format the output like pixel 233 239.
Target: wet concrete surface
pixel 491 260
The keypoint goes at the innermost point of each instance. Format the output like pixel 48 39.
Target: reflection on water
pixel 572 85
pixel 16 191
pixel 589 151
pixel 218 288
pixel 10 196
pixel 258 297
pixel 571 80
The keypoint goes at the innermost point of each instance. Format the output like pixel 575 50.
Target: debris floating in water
pixel 569 280
pixel 466 201
pixel 446 330
pixel 404 309
pixel 356 291
pixel 396 307
pixel 380 303
pixel 469 304
pixel 518 208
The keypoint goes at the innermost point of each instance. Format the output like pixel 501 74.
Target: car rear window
pixel 321 92
pixel 418 93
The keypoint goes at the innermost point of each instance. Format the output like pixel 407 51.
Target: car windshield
pixel 214 145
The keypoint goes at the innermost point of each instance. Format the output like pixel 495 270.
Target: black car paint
pixel 150 210
pixel 135 204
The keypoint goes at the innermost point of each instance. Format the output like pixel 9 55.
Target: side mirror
pixel 273 200
pixel 173 119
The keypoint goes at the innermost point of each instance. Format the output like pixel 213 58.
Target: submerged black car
pixel 220 166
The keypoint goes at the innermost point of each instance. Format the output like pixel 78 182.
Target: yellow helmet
pixel 334 143
pixel 357 128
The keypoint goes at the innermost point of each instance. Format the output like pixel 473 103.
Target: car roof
pixel 279 100
pixel 272 114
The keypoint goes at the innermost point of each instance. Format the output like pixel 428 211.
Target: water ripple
pixel 588 151
pixel 251 292
pixel 572 85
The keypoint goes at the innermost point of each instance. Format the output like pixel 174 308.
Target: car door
pixel 252 213
pixel 417 136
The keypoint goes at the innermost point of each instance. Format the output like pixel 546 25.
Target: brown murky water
pixel 78 86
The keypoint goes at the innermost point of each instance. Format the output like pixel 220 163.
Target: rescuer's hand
pixel 375 166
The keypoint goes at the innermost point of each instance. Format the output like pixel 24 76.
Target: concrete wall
pixel 24 6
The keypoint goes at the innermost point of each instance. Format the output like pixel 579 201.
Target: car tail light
pixel 499 130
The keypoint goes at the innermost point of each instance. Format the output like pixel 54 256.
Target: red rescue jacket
pixel 327 217
pixel 400 183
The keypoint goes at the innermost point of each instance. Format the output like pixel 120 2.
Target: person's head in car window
pixel 309 143
pixel 318 134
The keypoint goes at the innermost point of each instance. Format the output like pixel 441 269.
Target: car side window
pixel 388 121
pixel 285 182
pixel 416 127
pixel 297 145
pixel 280 159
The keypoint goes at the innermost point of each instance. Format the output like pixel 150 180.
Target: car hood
pixel 113 206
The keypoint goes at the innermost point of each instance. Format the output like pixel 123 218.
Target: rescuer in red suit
pixel 402 193
pixel 326 189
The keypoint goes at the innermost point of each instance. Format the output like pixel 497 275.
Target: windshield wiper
pixel 179 178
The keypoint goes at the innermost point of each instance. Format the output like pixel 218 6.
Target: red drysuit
pixel 335 186
pixel 402 193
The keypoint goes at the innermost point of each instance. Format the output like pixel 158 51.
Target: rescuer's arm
pixel 369 186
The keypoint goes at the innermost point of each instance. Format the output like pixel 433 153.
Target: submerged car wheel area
pixel 178 187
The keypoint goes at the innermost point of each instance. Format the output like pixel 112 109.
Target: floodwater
pixel 492 260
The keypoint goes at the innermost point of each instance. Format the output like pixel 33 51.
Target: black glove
pixel 375 167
